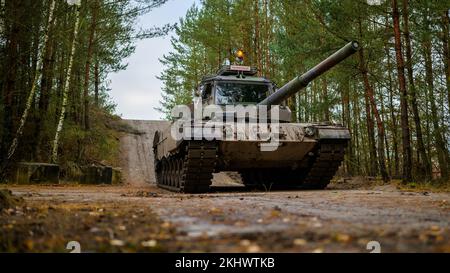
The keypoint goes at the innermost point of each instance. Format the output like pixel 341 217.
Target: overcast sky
pixel 136 91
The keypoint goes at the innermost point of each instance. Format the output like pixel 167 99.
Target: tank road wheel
pixel 172 173
pixel 161 170
pixel 158 172
pixel 164 171
pixel 191 170
pixel 168 173
pixel 168 182
pixel 198 166
pixel 179 172
pixel 176 173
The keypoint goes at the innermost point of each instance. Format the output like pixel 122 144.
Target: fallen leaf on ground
pixel 117 243
pixel 253 249
pixel 245 243
pixel 342 238
pixel 300 242
pixel 150 243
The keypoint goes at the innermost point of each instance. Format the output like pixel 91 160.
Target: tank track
pixel 190 169
pixel 322 168
pixel 328 159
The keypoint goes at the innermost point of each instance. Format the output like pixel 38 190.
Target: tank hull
pixel 235 156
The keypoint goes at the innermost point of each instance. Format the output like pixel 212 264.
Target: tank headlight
pixel 310 131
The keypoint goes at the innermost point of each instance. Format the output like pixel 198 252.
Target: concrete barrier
pixel 26 173
pixel 35 173
pixel 94 175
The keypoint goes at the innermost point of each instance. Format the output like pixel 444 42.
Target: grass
pixel 361 182
pixel 420 186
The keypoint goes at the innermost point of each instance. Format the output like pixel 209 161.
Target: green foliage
pixel 98 145
pixel 106 37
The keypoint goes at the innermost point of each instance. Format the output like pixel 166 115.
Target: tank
pixel 270 152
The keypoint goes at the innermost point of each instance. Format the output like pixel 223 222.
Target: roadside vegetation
pixel 55 58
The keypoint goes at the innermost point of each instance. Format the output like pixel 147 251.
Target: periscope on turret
pixel 240 122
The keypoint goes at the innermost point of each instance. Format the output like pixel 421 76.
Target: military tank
pixel 306 156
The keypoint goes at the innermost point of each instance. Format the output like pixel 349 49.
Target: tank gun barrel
pixel 301 82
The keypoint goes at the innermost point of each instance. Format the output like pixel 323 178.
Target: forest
pixel 393 95
pixel 55 58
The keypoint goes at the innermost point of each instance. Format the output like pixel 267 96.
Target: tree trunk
pixel 9 82
pixel 359 145
pixel 446 52
pixel 326 100
pixel 268 23
pixel 60 84
pixel 406 134
pixel 393 124
pixel 97 82
pixel 257 37
pixel 347 122
pixel 441 147
pixel 424 160
pixel 386 142
pixel 54 158
pixel 380 127
pixel 45 92
pixel 372 171
pixel 87 74
pixel 292 103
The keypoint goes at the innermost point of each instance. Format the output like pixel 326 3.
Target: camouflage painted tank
pixel 304 156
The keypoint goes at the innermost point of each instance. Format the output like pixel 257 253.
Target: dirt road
pixel 140 217
pixel 148 219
